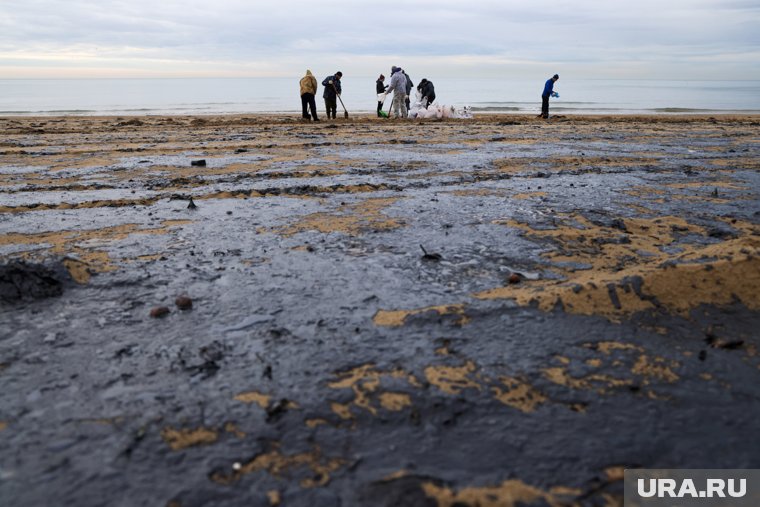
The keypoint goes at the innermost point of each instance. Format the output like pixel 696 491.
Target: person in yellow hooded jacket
pixel 308 91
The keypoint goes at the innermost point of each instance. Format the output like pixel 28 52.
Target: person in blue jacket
pixel 548 92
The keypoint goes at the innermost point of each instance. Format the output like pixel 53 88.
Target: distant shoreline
pixel 360 116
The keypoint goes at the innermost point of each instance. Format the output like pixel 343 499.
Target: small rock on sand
pixel 184 303
pixel 159 311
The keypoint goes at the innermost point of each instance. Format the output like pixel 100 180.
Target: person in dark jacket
pixel 409 86
pixel 380 87
pixel 427 90
pixel 332 90
pixel 548 92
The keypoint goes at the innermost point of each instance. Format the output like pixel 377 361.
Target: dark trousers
pixel 545 106
pixel 331 105
pixel 407 104
pixel 379 107
pixel 307 99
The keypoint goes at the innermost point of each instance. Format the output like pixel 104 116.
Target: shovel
pixel 345 113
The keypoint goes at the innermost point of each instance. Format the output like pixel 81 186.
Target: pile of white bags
pixel 435 110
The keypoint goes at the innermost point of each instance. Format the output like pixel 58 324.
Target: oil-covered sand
pixel 589 301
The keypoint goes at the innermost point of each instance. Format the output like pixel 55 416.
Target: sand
pixel 326 359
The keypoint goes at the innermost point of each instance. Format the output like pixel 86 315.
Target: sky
pixel 634 39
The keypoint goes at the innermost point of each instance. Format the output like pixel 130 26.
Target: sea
pixel 207 96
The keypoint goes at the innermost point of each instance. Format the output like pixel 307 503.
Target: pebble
pixel 183 303
pixel 159 311
pixel 514 278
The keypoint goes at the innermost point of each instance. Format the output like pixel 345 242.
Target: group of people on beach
pixel 400 84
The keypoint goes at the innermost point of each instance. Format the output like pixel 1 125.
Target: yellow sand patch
pixel 78 270
pixel 395 318
pixel 452 379
pixel 351 219
pixel 179 439
pixel 510 493
pixel 109 203
pixel 640 209
pixel 233 429
pixel 278 464
pixel 614 474
pixel 395 475
pixel 641 191
pixel 608 347
pixel 624 364
pixel 249 397
pixel 342 410
pixel 365 381
pixel 81 245
pixel 519 394
pixel 274 498
pixel 597 381
pixel 228 195
pixel 443 351
pixel 395 401
pixel 512 166
pixel 706 185
pixel 554 164
pixel 529 195
pixel 631 271
pixel 657 368
pixel 313 423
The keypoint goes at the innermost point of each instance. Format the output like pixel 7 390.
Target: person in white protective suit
pixel 398 87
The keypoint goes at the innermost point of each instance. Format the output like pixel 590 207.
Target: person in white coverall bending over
pixel 398 85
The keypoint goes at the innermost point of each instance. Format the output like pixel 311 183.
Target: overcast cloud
pixel 697 39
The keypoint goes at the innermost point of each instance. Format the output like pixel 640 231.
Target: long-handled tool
pixel 345 112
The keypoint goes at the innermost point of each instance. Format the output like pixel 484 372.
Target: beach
pixel 467 312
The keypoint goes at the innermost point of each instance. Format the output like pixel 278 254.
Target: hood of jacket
pixel 398 83
pixel 308 83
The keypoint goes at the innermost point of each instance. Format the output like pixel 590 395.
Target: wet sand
pixel 587 300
